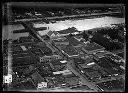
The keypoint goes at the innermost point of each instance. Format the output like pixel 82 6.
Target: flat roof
pixel 64 61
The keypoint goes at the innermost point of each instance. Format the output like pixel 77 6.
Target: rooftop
pixel 92 47
pixel 82 61
pixel 73 41
pixel 78 37
pixel 58 62
pixel 41 49
pixel 61 40
pixel 112 86
pixel 69 50
pixel 16 48
pixel 37 78
pixel 52 33
pixel 109 66
pixel 25 39
pixel 20 55
pixel 23 60
pixel 67 31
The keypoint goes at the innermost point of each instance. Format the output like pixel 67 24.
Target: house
pixel 68 31
pixel 49 58
pixel 61 41
pixel 69 50
pixel 72 81
pixel 74 42
pixel 91 48
pixel 37 79
pixel 58 65
pixel 42 85
pixel 53 34
pixel 62 72
pixel 78 37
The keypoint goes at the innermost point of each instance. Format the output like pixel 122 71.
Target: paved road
pixel 72 67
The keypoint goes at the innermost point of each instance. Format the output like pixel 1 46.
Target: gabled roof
pixel 78 37
pixel 93 47
pixel 51 33
pixel 69 50
pixel 57 62
pixel 73 41
pixel 69 30
pixel 61 40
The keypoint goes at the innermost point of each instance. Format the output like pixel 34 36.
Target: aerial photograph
pixel 63 47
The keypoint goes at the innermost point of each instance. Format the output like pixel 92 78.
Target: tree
pixel 85 36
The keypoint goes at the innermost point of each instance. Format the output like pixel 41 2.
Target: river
pixel 80 25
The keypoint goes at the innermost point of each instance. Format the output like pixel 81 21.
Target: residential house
pixel 49 58
pixel 92 48
pixel 74 42
pixel 37 79
pixel 61 41
pixel 53 34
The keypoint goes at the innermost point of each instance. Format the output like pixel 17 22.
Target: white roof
pixel 64 61
pixel 23 48
pixel 90 63
pixel 61 72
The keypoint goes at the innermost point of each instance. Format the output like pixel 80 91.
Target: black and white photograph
pixel 63 47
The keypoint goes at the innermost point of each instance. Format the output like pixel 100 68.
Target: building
pixel 58 64
pixel 53 34
pixel 69 50
pixel 59 80
pixel 111 68
pixel 101 54
pixel 28 85
pixel 50 82
pixel 42 53
pixel 74 42
pixel 49 58
pixel 37 79
pixel 60 67
pixel 72 80
pixel 91 48
pixel 61 41
pixel 62 72
pixel 21 56
pixel 42 85
pixel 26 39
pixel 68 31
pixel 44 49
pixel 112 86
pixel 16 48
pixel 45 70
pixel 78 37
pixel 29 70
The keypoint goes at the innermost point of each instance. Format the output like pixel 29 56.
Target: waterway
pixel 80 25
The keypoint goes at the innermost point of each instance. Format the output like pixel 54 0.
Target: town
pixel 90 60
